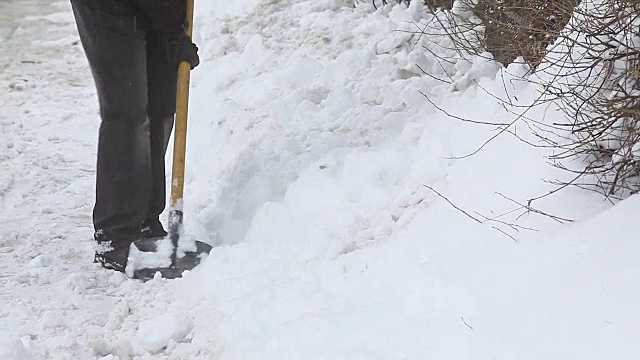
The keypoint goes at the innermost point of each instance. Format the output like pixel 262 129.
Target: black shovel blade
pixel 186 261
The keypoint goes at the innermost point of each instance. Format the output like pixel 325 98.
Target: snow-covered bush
pixel 515 28
pixel 508 29
pixel 432 5
pixel 585 54
pixel 601 96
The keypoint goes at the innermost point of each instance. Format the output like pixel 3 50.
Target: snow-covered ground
pixel 310 146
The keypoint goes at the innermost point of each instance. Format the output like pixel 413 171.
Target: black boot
pixel 113 250
pixel 114 259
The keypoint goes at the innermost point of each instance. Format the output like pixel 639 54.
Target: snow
pixel 315 165
pixel 156 333
pixel 13 348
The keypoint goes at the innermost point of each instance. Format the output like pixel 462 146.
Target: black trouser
pixel 136 89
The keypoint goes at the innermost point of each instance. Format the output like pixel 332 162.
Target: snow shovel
pixel 164 255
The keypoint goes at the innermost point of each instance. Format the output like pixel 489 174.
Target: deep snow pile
pixel 310 146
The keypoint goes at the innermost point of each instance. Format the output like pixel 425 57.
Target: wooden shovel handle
pixel 180 135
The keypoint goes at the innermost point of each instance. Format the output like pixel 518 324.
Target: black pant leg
pixel 162 83
pixel 114 41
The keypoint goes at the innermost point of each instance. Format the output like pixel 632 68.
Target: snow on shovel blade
pixel 150 256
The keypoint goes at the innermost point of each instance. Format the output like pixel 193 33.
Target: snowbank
pixel 312 146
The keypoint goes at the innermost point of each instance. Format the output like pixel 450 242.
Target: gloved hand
pixel 180 48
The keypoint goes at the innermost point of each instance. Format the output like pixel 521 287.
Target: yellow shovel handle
pixel 180 135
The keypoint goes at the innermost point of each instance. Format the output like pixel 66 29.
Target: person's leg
pixel 114 42
pixel 161 82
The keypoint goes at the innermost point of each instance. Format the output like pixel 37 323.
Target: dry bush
pixel 587 56
pixel 524 28
pixel 434 5
pixel 601 97
pixel 508 29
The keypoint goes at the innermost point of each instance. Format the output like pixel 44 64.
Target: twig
pixel 465 323
pixel 452 204
pixel 528 208
pixel 471 216
pixel 458 117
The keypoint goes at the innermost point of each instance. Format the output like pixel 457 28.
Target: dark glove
pixel 181 48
